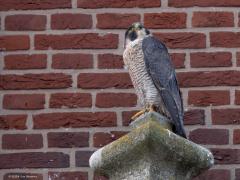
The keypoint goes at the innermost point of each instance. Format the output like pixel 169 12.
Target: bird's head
pixel 135 31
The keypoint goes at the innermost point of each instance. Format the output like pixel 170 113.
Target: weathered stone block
pixel 150 152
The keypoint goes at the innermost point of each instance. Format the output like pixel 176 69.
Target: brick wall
pixel 64 92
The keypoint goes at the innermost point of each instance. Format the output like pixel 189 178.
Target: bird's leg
pixel 151 108
pixel 138 114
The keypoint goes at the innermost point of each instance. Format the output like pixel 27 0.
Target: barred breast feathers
pixel 142 82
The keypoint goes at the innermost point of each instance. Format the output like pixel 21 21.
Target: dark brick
pixel 108 100
pixel 210 136
pixel 72 61
pixel 70 100
pixel 82 158
pixel 194 116
pixel 76 41
pixel 25 22
pixel 34 160
pixel 73 175
pixel 74 120
pixel 35 81
pixel 104 80
pixel 25 61
pixel 22 141
pixel 68 139
pixel 94 4
pixel 165 20
pixel 116 21
pixel 71 21
pixel 23 101
pixel 13 121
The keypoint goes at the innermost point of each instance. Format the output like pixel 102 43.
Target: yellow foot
pixel 138 114
pixel 150 108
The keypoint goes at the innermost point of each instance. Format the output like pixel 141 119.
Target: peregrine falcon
pixel 153 76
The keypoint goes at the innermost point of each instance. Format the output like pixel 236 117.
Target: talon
pixel 151 108
pixel 138 114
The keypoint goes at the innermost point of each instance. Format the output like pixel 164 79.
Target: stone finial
pixel 150 152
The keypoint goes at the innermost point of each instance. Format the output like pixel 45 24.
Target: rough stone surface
pixel 144 154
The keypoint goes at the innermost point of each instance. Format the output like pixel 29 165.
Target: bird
pixel 153 76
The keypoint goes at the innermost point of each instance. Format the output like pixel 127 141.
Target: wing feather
pixel 162 72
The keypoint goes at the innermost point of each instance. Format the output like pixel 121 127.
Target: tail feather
pixel 174 112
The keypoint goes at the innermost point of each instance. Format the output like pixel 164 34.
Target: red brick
pixel 238 58
pixel 213 19
pixel 22 141
pixel 22 22
pixel 178 59
pixel 68 139
pixel 209 78
pixel 226 156
pixel 72 61
pixel 165 20
pixel 73 175
pixel 74 120
pixel 25 61
pixel 108 100
pixel 237 97
pixel 237 174
pixel 101 139
pixel 126 117
pixel 236 136
pixel 104 80
pixel 23 101
pixel 110 61
pixel 13 121
pixel 225 39
pixel 212 59
pixel 71 100
pixel 34 160
pixel 82 158
pixel 100 177
pixel 203 3
pixel 183 40
pixel 14 42
pixel 71 21
pixel 209 98
pixel 32 4
pixel 210 136
pixel 116 21
pixel 223 174
pixel 194 116
pixel 76 41
pixel 94 4
pixel 20 176
pixel 226 116
pixel 35 81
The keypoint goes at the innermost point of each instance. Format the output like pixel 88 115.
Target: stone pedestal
pixel 151 152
